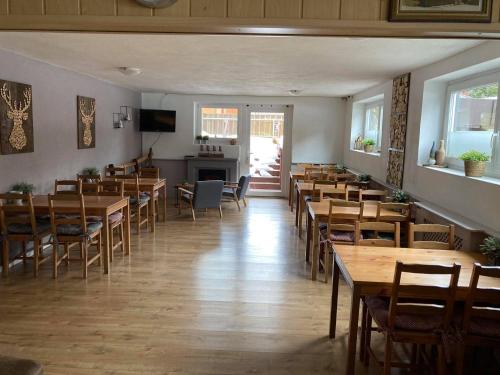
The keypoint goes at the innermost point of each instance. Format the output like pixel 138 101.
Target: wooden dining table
pixel 152 186
pixel 369 270
pixel 294 176
pixel 102 206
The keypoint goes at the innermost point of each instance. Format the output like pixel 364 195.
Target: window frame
pixel 198 119
pixel 379 102
pixel 493 166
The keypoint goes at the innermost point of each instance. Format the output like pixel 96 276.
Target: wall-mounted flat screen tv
pixel 153 120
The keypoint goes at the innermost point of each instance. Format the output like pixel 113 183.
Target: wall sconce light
pixel 119 119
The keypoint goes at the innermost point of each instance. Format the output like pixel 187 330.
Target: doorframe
pixel 286 161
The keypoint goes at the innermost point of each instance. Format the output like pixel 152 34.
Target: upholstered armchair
pixel 237 192
pixel 205 195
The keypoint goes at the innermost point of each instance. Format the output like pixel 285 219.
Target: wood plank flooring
pixel 229 296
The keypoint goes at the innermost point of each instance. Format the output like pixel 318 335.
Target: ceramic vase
pixel 440 153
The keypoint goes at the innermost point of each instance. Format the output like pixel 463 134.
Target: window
pixel 374 116
pixel 472 121
pixel 219 122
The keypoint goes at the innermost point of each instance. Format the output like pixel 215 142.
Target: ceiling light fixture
pixel 156 3
pixel 294 92
pixel 128 71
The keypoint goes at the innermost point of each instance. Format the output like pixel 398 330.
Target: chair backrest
pixel 343 214
pixel 131 187
pixel 432 299
pixel 131 176
pixel 375 229
pixel 313 173
pixel 89 178
pixel 73 187
pixel 208 194
pixel 243 185
pixel 67 209
pixel 11 212
pixel 393 212
pixel 483 302
pixel 341 177
pixel 372 195
pixel 149 172
pixel 317 192
pixel 437 232
pixel 112 188
pixel 123 169
pixel 90 188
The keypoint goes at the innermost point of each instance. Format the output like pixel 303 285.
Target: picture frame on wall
pixel 440 10
pixel 86 122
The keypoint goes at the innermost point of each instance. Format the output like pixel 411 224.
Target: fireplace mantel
pixel 230 165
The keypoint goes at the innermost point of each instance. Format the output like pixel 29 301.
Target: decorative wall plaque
pixel 86 122
pixel 16 118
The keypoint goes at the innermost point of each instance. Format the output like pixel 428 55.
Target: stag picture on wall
pixel 16 118
pixel 86 122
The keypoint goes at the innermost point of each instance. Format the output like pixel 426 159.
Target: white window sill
pixel 459 173
pixel 377 154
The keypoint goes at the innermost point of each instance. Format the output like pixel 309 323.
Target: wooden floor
pixel 211 297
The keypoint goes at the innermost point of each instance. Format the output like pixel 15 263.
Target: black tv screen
pixel 153 120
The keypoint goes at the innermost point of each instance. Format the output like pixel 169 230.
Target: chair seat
pixel 228 192
pixel 147 193
pixel 142 200
pixel 115 217
pixel 186 197
pixel 77 230
pixel 21 228
pixel 379 310
pixel 337 236
pixel 93 219
pixel 16 366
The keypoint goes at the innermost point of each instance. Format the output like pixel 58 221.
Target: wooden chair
pixel 152 173
pixel 90 188
pixel 375 228
pixel 415 314
pixel 18 223
pixel 72 187
pixel 395 212
pixel 117 219
pixel 313 173
pixel 70 227
pixel 481 319
pixel 123 169
pixel 442 237
pixel 139 203
pixel 341 229
pixel 372 195
pixel 318 194
pixel 341 177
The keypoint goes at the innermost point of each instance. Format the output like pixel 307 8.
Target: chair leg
pixel 147 218
pixel 244 201
pixel 99 249
pixel 220 211
pixel 122 238
pixel 237 203
pixel 157 210
pixel 24 253
pixel 111 242
pixel 138 220
pixel 326 264
pixel 5 258
pixel 66 253
pixel 192 211
pixel 387 355
pixel 54 260
pixel 84 248
pixel 362 344
pixel 36 253
pixel 460 359
pixel 368 339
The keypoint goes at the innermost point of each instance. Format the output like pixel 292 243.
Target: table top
pixel 321 210
pixel 142 181
pixel 374 266
pixel 90 201
pixel 308 186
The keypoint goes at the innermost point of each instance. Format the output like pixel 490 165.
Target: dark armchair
pixel 205 195
pixel 237 192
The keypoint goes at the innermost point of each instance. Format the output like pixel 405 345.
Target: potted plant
pixel 91 171
pixel 491 248
pixel 474 163
pixel 400 196
pixel 199 138
pixel 205 139
pixel 20 188
pixel 364 177
pixel 368 144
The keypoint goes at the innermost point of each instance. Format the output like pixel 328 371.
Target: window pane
pixel 372 125
pixel 472 116
pixel 219 122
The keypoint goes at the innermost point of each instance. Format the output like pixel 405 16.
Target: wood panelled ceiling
pixel 287 17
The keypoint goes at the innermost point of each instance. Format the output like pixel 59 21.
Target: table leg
pixel 308 236
pixel 165 203
pixel 290 187
pixel 314 264
pixel 300 208
pixel 126 229
pixel 335 296
pixel 152 210
pixel 105 243
pixel 353 331
pixel 297 196
pixel 5 258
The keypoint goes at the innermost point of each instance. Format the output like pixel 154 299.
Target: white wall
pixel 317 135
pixel 473 199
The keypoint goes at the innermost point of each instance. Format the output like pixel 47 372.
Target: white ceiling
pixel 235 65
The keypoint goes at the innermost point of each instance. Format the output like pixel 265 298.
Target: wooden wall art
pixel 86 122
pixel 398 127
pixel 16 118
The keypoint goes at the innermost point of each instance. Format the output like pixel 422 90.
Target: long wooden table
pixel 151 186
pixel 102 206
pixel 370 271
pixel 294 176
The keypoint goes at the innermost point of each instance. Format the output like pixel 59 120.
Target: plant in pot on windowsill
pixel 199 138
pixel 491 248
pixel 21 188
pixel 400 196
pixel 474 163
pixel 206 138
pixel 368 144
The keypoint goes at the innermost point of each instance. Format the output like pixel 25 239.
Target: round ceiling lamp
pixel 156 3
pixel 128 71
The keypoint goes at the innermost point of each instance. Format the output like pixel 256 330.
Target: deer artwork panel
pixel 16 118
pixel 86 122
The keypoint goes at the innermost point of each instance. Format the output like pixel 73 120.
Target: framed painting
pixel 86 122
pixel 16 118
pixel 441 10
